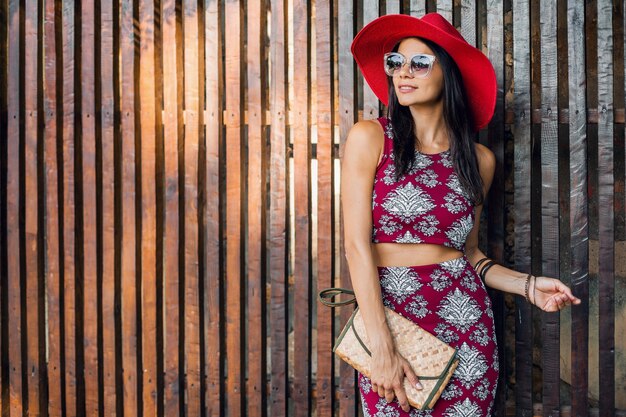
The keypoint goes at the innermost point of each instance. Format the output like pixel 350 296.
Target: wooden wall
pixel 169 201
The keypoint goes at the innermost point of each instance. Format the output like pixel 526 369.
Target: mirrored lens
pixel 393 62
pixel 420 65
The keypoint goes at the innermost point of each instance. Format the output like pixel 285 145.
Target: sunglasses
pixel 420 65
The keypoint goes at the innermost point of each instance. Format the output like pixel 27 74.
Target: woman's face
pixel 411 90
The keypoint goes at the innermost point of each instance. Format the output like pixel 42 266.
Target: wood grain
pixel 256 354
pixel 31 228
pixel 211 216
pixel 579 244
pixel 325 208
pixel 129 214
pixel 277 250
pixel 192 126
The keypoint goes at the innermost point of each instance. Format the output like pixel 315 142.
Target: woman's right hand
pixel 388 372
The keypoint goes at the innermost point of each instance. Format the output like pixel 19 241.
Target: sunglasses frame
pixel 431 62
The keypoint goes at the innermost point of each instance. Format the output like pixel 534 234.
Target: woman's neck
pixel 430 126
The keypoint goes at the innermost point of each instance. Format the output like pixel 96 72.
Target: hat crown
pixel 440 22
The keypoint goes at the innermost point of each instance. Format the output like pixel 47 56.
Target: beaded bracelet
pixel 526 287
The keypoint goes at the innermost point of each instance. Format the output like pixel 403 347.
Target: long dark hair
pixel 459 124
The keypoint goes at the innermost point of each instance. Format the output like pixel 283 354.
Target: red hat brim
pixel 382 34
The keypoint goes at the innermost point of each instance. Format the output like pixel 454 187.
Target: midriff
pixel 411 254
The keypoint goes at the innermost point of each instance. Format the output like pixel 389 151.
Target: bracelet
pixel 534 288
pixel 526 287
pixel 480 263
pixel 486 268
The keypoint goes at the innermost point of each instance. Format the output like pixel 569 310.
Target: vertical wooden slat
pixel 172 127
pixel 496 207
pixel 347 117
pixel 606 278
pixel 31 231
pixel 392 6
pixel 325 236
pixel 302 219
pixel 192 125
pixel 13 214
pixel 417 8
pixel 255 391
pixel 549 201
pixel 89 233
pixel 53 125
pixel 579 244
pixel 444 8
pixel 147 238
pixel 68 269
pixel 521 132
pixel 129 267
pixel 107 140
pixel 370 101
pixel 277 250
pixel 211 216
pixel 4 116
pixel 468 21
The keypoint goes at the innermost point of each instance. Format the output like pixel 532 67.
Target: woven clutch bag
pixel 432 360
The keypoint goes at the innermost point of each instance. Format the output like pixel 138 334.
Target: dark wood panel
pixel 105 72
pixel 606 268
pixel 278 211
pixel 68 269
pixel 52 134
pixel 172 129
pixel 193 118
pixel 14 265
pixel 549 203
pixel 256 354
pixel 522 184
pixel 324 382
pixel 128 74
pixel 31 203
pixel 234 289
pixel 89 300
pixel 212 237
pixel 147 284
pixel 579 244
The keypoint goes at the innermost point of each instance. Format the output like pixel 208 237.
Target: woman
pixel 412 189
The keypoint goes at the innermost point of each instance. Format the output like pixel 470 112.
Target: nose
pixel 405 70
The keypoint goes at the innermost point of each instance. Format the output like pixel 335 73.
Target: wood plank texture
pixel 147 238
pixel 170 208
pixel 325 209
pixel 211 215
pixel 106 137
pixel 256 362
pixel 172 136
pixel 277 249
pixel 193 118
pixel 52 135
pixel 606 268
pixel 31 226
pixel 522 184
pixel 234 348
pixel 579 243
pixel 129 317
pixel 14 265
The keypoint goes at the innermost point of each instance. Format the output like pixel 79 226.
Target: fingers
pixel 402 400
pixel 413 379
pixel 389 394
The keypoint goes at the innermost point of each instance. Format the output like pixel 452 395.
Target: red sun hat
pixel 382 34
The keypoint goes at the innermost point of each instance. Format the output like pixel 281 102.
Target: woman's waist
pixel 412 254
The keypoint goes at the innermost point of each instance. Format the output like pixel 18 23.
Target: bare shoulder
pixel 365 142
pixel 486 159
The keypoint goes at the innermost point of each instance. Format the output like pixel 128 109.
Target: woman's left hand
pixel 550 294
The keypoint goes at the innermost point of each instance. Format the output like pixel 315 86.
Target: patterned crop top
pixel 426 205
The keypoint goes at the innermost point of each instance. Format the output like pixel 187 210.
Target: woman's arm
pixel 362 152
pixel 549 294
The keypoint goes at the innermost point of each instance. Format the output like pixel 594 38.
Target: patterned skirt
pixel 450 301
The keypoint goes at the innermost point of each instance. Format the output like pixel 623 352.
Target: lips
pixel 406 88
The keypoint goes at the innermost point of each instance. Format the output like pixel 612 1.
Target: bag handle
pixel 325 297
